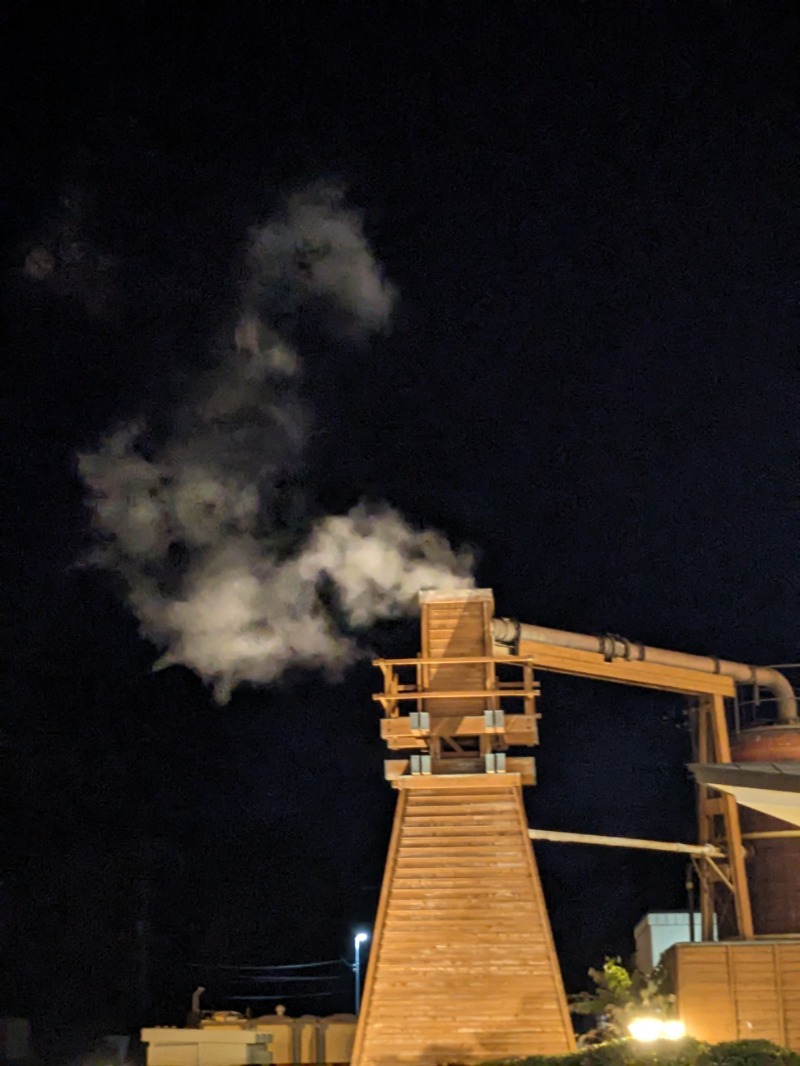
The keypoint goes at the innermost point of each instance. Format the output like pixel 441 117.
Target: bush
pixel 619 995
pixel 686 1052
pixel 748 1053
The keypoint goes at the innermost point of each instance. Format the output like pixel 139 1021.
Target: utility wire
pixel 289 966
pixel 308 995
pixel 265 978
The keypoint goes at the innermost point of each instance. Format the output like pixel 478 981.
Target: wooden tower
pixel 462 966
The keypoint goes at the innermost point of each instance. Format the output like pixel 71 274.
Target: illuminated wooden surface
pixel 739 991
pixel 453 627
pixel 724 890
pixel 462 966
pixel 457 703
pixel 623 671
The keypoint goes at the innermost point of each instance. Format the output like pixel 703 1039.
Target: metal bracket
pixel 420 764
pixel 494 721
pixel 420 721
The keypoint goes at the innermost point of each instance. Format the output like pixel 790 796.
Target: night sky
pixel 590 214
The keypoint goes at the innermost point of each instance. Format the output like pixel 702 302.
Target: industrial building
pixel 226 1038
pixel 658 931
pixel 463 966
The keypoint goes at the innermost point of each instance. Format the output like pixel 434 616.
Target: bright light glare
pixel 646 1029
pixel 674 1030
pixel 361 937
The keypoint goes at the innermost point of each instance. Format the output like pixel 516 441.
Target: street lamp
pixel 358 940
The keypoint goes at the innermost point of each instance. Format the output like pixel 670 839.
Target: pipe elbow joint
pixel 777 683
pixel 506 631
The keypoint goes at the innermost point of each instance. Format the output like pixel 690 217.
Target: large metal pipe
pixel 559 837
pixel 510 633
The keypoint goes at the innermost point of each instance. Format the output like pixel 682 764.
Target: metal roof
pixel 770 787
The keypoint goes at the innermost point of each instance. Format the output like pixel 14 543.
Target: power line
pixel 307 995
pixel 264 978
pixel 288 966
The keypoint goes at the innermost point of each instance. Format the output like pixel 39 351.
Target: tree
pixel 619 996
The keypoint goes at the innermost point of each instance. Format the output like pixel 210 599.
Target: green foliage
pixel 687 1052
pixel 748 1053
pixel 629 1052
pixel 619 995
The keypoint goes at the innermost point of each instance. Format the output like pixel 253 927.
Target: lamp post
pixel 358 940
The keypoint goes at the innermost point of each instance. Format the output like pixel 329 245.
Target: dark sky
pixel 590 212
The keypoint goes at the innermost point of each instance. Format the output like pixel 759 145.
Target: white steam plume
pixel 190 521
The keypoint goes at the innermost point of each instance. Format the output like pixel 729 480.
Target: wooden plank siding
pixel 739 990
pixel 463 967
pixel 453 627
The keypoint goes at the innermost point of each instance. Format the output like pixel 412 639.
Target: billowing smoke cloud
pixel 192 521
